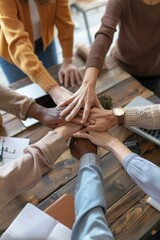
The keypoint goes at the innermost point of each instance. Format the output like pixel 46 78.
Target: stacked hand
pixel 84 99
pixel 101 139
pixel 100 119
pixel 47 116
pixel 79 147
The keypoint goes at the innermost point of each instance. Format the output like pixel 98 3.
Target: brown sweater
pixel 138 46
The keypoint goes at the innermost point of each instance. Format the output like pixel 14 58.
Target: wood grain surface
pixel 128 214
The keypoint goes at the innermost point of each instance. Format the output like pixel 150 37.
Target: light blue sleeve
pixel 90 204
pixel 145 174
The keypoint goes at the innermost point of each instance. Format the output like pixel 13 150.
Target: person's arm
pixel 85 97
pixel 140 116
pixel 14 103
pixel 145 174
pixel 143 116
pixel 24 107
pixel 24 172
pixel 90 204
pixel 68 74
pixel 21 52
pixel 20 48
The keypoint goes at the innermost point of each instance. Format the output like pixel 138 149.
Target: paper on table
pixel 32 223
pixel 11 148
pixel 60 232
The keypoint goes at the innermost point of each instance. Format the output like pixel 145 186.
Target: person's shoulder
pixel 118 5
pixel 118 2
pixel 123 4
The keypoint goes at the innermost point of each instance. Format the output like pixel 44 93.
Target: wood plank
pixel 126 227
pixel 11 126
pixel 125 91
pixel 110 78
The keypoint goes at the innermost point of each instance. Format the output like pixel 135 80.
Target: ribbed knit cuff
pixel 131 116
pixel 45 81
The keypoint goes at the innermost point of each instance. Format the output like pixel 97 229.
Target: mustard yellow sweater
pixel 16 35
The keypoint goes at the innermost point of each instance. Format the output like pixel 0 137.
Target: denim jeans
pixel 48 58
pixel 152 83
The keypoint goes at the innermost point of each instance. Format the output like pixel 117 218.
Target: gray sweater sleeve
pixel 14 103
pixel 145 174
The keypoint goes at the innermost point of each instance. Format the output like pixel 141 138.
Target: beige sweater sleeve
pixel 14 103
pixel 144 116
pixel 26 171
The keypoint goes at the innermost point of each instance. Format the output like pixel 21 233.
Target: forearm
pixel 65 27
pixel 14 103
pixel 144 116
pixel 119 150
pixel 98 51
pixel 59 94
pixel 90 207
pixel 145 174
pixel 24 172
pixel 90 76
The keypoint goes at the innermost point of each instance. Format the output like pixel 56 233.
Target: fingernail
pixel 67 119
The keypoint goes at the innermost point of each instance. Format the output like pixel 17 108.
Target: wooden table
pixel 128 214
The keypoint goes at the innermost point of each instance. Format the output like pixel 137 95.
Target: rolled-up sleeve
pixel 145 174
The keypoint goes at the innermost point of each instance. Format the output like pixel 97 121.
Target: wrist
pixel 67 130
pixel 119 114
pixel 59 94
pixel 35 111
pixel 63 131
pixel 90 76
pixel 54 91
pixel 109 115
pixel 118 149
pixel 67 60
pixel 111 144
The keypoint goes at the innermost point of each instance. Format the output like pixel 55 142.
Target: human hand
pixel 84 98
pixel 69 75
pixel 79 147
pixel 67 130
pixel 51 117
pixel 107 141
pixel 103 120
pixel 101 139
pixel 47 116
